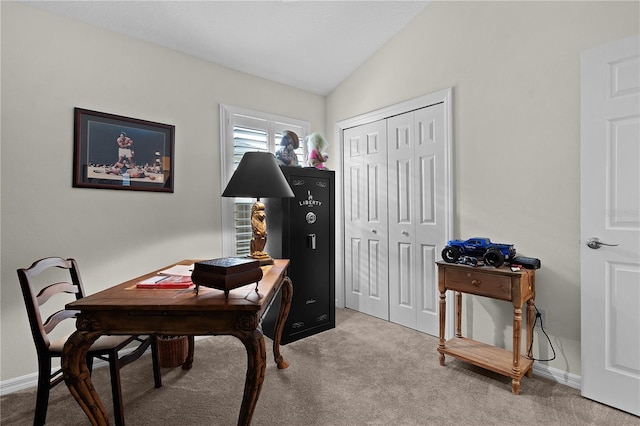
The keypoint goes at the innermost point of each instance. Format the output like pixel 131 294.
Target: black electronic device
pixel 526 262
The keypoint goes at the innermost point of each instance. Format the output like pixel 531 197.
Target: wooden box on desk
pixel 226 273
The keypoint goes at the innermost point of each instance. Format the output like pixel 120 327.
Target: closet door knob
pixel 405 233
pixel 373 231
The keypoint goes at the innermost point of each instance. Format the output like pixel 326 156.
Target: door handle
pixel 405 233
pixel 311 241
pixel 595 243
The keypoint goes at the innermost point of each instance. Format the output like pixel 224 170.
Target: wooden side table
pixel 497 283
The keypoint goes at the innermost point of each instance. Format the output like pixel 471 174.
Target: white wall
pixel 51 65
pixel 514 67
pixel 515 72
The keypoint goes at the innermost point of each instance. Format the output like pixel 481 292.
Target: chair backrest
pixel 34 301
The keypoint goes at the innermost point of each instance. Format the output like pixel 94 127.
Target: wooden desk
pixel 125 309
pixel 497 283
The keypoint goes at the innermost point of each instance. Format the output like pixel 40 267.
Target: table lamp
pixel 258 175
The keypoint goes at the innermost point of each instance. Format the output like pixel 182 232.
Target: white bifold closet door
pixel 395 216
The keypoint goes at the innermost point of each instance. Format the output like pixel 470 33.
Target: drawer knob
pixel 475 282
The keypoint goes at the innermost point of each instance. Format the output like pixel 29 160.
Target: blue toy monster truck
pixel 493 254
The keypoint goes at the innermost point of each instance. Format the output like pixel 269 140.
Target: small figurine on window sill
pixel 286 155
pixel 316 145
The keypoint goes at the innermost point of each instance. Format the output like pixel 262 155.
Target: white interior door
pixel 417 224
pixel 610 211
pixel 365 219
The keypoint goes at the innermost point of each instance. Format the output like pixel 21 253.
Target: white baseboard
pixel 18 384
pixel 559 376
pixel 31 380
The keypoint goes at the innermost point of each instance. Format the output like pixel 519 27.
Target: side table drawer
pixel 479 283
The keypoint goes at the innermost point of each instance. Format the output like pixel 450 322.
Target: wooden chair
pixel 106 347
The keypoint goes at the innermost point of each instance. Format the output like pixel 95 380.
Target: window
pixel 243 130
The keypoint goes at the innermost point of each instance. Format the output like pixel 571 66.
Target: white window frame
pixel 231 116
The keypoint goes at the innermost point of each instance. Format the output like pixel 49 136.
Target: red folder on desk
pixel 166 281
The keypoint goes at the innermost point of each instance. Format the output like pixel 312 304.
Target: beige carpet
pixel 364 372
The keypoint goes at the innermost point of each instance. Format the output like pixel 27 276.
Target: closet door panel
pixel 426 182
pixel 366 241
pixel 427 280
pixel 416 182
pixel 402 217
pixel 430 228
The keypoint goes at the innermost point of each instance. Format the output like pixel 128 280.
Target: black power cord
pixel 539 317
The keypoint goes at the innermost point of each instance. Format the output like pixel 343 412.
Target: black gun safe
pixel 302 229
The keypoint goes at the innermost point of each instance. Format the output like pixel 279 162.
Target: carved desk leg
pixel 283 312
pixel 77 376
pixel 253 341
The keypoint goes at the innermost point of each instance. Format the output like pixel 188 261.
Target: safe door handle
pixel 311 241
pixel 595 243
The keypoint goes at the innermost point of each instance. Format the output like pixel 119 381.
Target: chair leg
pixel 157 374
pixel 90 363
pixel 116 391
pixel 44 385
pixel 188 363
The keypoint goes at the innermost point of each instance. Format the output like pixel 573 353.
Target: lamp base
pixel 259 234
pixel 263 258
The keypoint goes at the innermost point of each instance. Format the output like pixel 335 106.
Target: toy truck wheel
pixel 494 258
pixel 451 254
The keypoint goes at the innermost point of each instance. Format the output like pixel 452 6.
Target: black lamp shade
pixel 257 176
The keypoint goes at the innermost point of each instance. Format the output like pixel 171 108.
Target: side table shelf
pixel 497 283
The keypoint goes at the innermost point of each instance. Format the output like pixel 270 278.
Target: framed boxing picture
pixel 115 152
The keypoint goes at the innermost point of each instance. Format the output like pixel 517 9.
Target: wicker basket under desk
pixel 172 350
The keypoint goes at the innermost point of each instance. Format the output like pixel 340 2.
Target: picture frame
pixel 116 152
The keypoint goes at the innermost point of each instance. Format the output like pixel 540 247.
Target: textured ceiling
pixel 311 45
